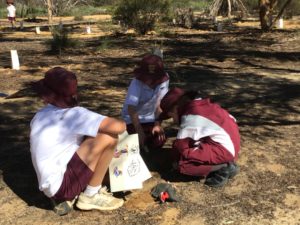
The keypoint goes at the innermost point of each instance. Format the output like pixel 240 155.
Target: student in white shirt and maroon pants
pixel 11 13
pixel 208 140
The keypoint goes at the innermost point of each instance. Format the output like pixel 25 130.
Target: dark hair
pixel 193 94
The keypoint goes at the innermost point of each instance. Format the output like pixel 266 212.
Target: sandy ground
pixel 254 75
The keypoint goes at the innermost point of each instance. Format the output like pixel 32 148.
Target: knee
pixel 104 142
pixel 113 142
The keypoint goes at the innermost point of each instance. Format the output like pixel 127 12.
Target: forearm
pixel 134 118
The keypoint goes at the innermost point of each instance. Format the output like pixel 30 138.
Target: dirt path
pixel 254 75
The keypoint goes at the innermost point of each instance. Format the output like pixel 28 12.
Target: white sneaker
pixel 101 201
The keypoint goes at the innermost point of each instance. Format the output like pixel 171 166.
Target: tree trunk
pixel 49 8
pixel 265 9
pixel 229 8
pixel 263 14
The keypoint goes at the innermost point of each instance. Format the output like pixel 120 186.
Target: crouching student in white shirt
pixel 208 140
pixel 142 103
pixel 71 146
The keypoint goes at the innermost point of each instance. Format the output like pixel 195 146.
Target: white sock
pixel 90 190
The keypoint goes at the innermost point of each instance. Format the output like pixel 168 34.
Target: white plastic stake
pixel 88 29
pixel 215 20
pixel 174 21
pixel 60 25
pixel 219 27
pixel 37 30
pixel 280 23
pixel 15 60
pixel 158 52
pixel 21 25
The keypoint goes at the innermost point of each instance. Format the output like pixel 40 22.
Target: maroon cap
pixel 169 100
pixel 151 70
pixel 59 87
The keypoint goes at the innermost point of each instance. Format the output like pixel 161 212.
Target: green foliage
pixel 78 18
pixel 85 10
pixel 3 13
pixel 105 45
pixel 292 9
pixel 104 2
pixel 251 4
pixel 31 11
pixel 107 26
pixel 141 15
pixel 60 40
pixel 200 5
pixel 196 5
pixel 180 3
pixel 24 11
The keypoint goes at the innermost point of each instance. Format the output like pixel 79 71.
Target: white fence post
pixel 15 60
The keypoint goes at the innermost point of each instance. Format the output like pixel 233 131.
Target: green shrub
pixel 107 26
pixel 24 11
pixel 141 15
pixel 60 40
pixel 201 5
pixel 104 45
pixel 78 18
pixel 181 3
pixel 84 10
pixel 104 2
pixel 3 13
pixel 293 8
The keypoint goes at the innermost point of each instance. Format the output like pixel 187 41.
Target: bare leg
pixel 97 153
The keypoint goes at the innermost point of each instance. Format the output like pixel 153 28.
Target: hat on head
pixel 151 70
pixel 58 87
pixel 169 100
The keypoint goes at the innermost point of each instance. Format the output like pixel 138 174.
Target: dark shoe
pixel 232 170
pixel 220 177
pixel 215 179
pixel 62 208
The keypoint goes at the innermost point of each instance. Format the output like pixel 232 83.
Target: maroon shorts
pixel 76 178
pixel 10 19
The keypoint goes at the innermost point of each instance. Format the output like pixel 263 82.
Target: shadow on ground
pixel 237 70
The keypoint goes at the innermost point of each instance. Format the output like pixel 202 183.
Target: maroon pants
pixel 151 140
pixel 198 161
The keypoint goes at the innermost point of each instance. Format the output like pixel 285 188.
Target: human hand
pixel 159 131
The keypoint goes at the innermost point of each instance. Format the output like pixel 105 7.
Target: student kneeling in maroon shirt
pixel 208 140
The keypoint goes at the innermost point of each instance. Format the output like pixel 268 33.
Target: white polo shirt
pixel 145 99
pixel 55 136
pixel 11 9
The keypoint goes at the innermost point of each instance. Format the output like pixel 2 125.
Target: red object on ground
pixel 164 196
